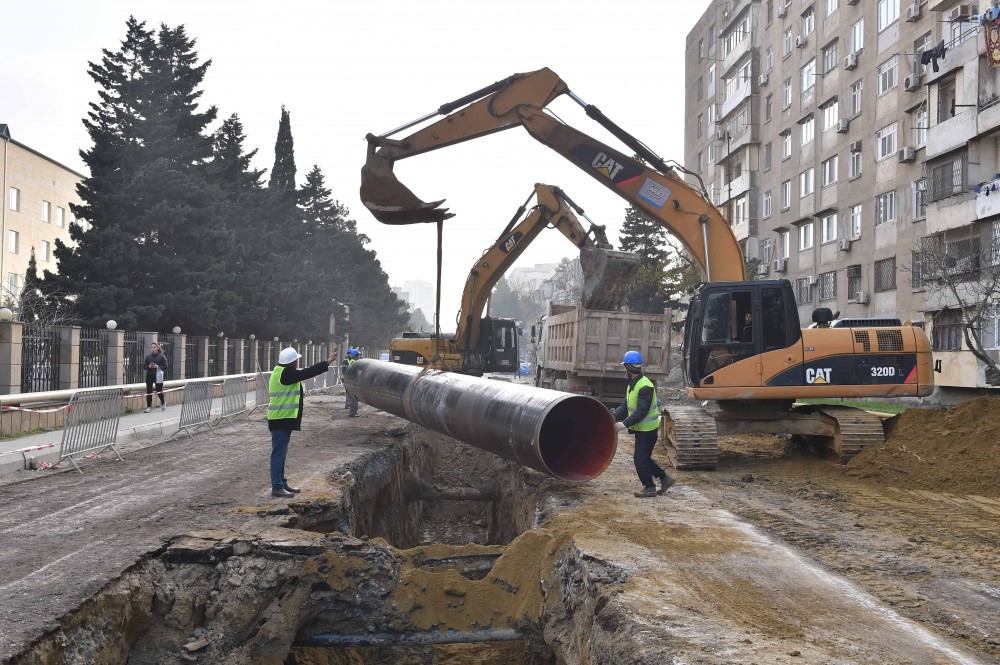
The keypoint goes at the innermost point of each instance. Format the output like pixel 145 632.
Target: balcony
pixel 735 99
pixel 988 199
pixel 730 15
pixel 745 229
pixel 951 134
pixel 742 185
pixel 737 54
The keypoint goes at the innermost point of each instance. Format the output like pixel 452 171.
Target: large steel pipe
pixel 570 437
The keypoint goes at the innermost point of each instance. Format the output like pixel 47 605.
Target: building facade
pixel 836 136
pixel 36 211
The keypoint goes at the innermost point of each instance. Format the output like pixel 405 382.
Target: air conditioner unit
pixel 780 265
pixel 907 154
pixel 763 269
pixel 842 125
pixel 763 79
pixel 782 11
pixel 855 146
pixel 721 135
pixel 801 41
pixel 861 297
pixel 845 245
pixel 811 280
pixel 961 13
pixel 851 61
pixel 911 82
pixel 913 12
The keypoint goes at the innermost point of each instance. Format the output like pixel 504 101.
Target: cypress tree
pixel 283 172
pixel 644 236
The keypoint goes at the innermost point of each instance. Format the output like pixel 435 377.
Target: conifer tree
pixel 283 172
pixel 644 236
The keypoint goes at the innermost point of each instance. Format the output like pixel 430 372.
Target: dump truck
pixel 580 350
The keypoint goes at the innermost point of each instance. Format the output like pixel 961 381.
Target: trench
pixel 430 554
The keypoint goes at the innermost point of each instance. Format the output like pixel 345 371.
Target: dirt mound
pixel 954 450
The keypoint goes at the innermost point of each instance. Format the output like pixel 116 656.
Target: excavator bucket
pixel 391 202
pixel 607 277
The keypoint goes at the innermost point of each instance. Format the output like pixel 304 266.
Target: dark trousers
pixel 149 391
pixel 351 403
pixel 279 450
pixel 645 466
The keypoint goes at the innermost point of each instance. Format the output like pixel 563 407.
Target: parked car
pixel 383 356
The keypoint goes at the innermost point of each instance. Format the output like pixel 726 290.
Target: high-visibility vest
pixel 652 419
pixel 345 365
pixel 283 401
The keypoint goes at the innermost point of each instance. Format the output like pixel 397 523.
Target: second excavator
pixel 489 344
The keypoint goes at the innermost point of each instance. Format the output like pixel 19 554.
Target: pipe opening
pixel 577 439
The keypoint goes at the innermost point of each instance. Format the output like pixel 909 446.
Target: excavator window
pixel 727 333
pixel 773 319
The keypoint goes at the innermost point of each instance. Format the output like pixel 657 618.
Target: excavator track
pixel 856 430
pixel 693 438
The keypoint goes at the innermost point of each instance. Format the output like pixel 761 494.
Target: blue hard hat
pixel 353 352
pixel 632 358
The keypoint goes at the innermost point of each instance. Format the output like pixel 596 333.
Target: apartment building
pixel 835 143
pixel 35 212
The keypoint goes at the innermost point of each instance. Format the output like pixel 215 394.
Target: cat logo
pixel 509 243
pixel 606 165
pixel 816 375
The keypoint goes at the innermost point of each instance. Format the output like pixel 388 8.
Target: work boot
pixel 293 490
pixel 666 482
pixel 645 492
pixel 354 415
pixel 282 493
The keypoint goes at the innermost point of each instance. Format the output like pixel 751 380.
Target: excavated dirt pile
pixel 953 450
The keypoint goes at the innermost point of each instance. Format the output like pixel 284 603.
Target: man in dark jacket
pixel 640 414
pixel 284 411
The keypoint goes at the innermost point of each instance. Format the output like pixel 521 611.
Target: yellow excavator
pixel 489 344
pixel 744 348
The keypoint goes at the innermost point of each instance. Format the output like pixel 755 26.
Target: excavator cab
pixel 498 345
pixel 728 322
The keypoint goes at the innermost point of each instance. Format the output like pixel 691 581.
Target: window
pixel 700 85
pixel 806 182
pixel 920 125
pixel 786 93
pixel 807 75
pixel 60 217
pixel 15 198
pixel 919 195
pixel 830 60
pixel 946 98
pixel 808 22
pixel 786 42
pixel 803 292
pixel 13 283
pixel 854 165
pixel 946 335
pixel 701 50
pixel 768 107
pixel 805 236
pixel 770 11
pixel 786 195
pixel 885 142
pixel 857 88
pixel 46 212
pixel 712 108
pixel 919 46
pixel 828 285
pixel 767 156
pixel 808 129
pixel 43 251
pixel 858 36
pixel 740 212
pixel 989 333
pixel 701 123
pixel 784 243
pixel 962 30
pixel 885 208
pixel 765 205
pixel 830 171
pixel 737 35
pixel 711 82
pixel 885 275
pixel 12 241
pixel 856 221
pixel 948 178
pixel 769 59
pixel 831 6
pixel 887 78
pixel 786 144
pixel 766 251
pixel 916 270
pixel 711 153
pixel 700 162
pixel 853 282
pixel 831 114
pixel 888 13
pixel 828 227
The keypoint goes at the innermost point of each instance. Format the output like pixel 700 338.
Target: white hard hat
pixel 288 355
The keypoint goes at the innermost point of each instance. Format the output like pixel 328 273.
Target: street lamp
pixel 112 324
pixel 252 336
pixel 6 314
pixel 177 330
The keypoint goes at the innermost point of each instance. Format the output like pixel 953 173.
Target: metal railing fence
pixel 93 370
pixel 39 358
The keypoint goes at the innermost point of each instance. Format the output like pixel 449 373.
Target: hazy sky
pixel 344 69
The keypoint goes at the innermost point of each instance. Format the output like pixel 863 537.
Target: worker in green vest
pixel 284 411
pixel 350 401
pixel 640 414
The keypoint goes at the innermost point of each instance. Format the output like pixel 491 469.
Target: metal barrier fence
pixel 261 392
pixel 91 423
pixel 196 411
pixel 234 398
pixel 39 358
pixel 93 358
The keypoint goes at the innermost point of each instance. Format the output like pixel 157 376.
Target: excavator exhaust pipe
pixel 390 201
pixel 608 276
pixel 569 437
